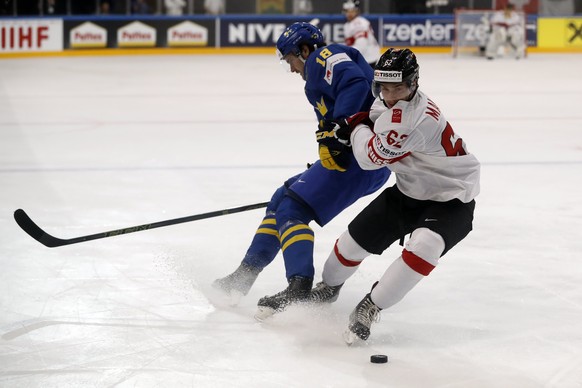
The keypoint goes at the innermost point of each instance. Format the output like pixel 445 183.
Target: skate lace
pixel 368 312
pixel 322 290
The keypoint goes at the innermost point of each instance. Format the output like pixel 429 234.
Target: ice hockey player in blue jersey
pixel 337 84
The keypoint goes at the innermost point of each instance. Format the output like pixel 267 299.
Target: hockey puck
pixel 379 359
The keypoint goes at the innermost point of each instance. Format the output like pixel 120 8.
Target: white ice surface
pixel 90 144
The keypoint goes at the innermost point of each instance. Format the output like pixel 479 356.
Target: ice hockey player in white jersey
pixel 506 29
pixel 437 180
pixel 175 7
pixel 359 34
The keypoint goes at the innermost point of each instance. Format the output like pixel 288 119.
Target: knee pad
pixel 276 199
pixel 426 245
pixel 349 249
pixel 501 34
pixel 291 209
pixel 280 194
pixel 516 39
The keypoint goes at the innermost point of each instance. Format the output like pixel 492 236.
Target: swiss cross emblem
pixel 396 115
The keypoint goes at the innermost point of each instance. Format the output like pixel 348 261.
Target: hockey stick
pixel 314 22
pixel 26 223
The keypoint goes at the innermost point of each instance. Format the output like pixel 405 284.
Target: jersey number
pixel 324 54
pixel 447 138
pixel 394 139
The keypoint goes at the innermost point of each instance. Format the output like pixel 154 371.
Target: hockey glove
pixel 333 137
pixel 341 129
pixel 335 156
pixel 333 131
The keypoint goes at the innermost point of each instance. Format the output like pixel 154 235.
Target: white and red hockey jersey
pixel 359 34
pixel 506 20
pixel 416 142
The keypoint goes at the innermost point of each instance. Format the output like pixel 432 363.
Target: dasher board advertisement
pixel 31 35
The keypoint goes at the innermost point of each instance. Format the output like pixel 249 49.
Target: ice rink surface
pixel 90 144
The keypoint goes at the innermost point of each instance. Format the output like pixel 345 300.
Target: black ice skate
pixel 323 293
pixel 239 282
pixel 361 319
pixel 297 291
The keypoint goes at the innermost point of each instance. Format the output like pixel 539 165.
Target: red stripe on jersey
pixel 352 39
pixel 378 159
pixel 374 156
pixel 343 260
pixel 433 110
pixel 416 263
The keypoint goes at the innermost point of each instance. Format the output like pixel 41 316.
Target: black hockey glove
pixel 341 129
pixel 334 130
pixel 333 137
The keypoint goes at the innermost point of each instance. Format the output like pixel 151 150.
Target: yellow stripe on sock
pixel 300 237
pixel 269 221
pixel 268 231
pixel 293 229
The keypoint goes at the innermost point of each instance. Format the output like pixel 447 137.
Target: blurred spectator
pixel 302 7
pixel 139 7
pixel 175 7
pixel 50 7
pixel 105 7
pixel 214 7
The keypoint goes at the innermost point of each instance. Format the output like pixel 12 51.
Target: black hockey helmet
pixel 396 65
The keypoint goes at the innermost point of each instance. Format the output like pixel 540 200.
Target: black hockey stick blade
pixel 35 231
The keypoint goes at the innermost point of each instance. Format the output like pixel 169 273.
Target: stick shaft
pixel 37 233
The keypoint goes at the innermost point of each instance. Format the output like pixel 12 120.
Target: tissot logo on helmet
pixel 387 76
pixel 396 65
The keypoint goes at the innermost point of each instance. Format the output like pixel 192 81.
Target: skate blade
pixel 350 337
pixel 264 313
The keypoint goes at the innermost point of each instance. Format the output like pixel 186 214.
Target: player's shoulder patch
pixel 331 62
pixel 397 115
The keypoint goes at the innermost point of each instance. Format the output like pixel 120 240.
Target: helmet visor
pixel 279 54
pixel 381 76
pixel 282 61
